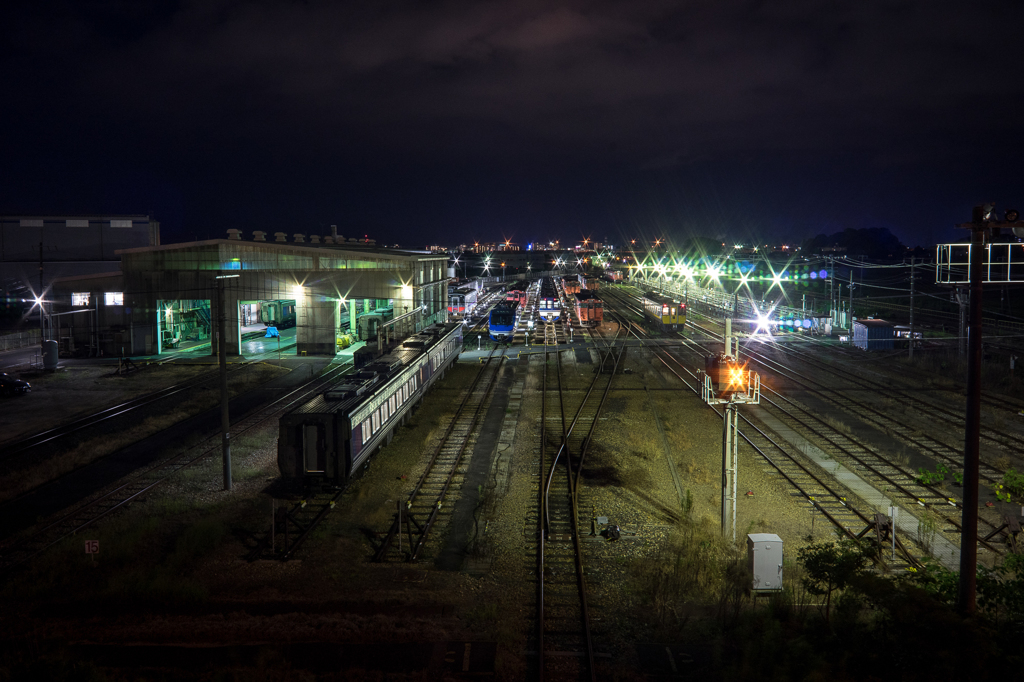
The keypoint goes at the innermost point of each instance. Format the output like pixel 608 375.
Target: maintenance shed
pixel 873 334
pixel 315 290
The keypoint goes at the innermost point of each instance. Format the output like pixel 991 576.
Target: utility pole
pixel 222 354
pixel 913 260
pixel 832 289
pixel 981 226
pixel 961 299
pixel 839 304
pixel 42 334
pixel 966 593
pixel 850 307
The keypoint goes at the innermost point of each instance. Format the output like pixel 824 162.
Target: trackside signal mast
pixel 987 259
pixel 728 382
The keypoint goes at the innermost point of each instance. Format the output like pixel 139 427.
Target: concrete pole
pixel 832 290
pixel 726 451
pixel 850 307
pixel 735 460
pixel 912 262
pixel 222 353
pixel 962 300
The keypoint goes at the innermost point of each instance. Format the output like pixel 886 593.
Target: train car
pixel 280 314
pixel 589 308
pixel 549 305
pixel 592 283
pixel 324 442
pixel 517 292
pixel 570 285
pixel 501 324
pixel 462 301
pixel 613 275
pixel 666 312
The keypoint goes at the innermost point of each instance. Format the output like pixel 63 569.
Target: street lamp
pixel 222 355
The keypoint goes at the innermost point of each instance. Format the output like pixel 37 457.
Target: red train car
pixel 570 285
pixel 589 308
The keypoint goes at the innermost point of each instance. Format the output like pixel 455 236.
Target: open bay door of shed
pixel 764 558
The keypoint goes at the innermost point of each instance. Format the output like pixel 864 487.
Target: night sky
pixel 440 122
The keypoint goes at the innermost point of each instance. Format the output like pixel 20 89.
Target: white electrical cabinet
pixel 764 558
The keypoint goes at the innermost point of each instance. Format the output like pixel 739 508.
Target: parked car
pixel 11 386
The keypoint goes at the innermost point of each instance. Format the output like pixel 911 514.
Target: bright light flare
pixel 763 324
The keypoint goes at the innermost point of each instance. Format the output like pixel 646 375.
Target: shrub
pixel 830 566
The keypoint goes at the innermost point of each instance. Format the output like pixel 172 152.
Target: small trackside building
pixel 873 334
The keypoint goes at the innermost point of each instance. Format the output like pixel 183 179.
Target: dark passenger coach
pixel 323 442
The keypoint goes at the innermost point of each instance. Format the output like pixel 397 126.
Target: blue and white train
pixel 549 306
pixel 501 324
pixel 325 441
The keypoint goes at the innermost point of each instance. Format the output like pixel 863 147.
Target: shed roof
pixel 873 323
pixel 354 249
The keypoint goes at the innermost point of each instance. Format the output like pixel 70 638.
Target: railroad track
pixel 826 497
pixel 886 475
pixel 564 638
pixel 893 478
pixel 30 446
pixel 881 470
pixel 427 505
pixel 939 413
pixel 21 549
pixel 883 473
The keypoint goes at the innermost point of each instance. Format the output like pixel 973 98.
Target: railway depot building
pixel 320 289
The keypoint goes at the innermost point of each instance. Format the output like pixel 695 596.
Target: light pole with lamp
pixel 222 355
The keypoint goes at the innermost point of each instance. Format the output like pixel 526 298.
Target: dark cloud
pixel 472 105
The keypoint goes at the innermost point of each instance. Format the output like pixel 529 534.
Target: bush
pixel 830 567
pixel 1014 482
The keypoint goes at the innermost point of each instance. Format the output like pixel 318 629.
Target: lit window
pixel 113 298
pixel 80 299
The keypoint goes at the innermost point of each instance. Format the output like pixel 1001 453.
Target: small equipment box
pixel 764 559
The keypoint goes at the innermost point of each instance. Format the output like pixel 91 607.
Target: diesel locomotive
pixel 589 308
pixel 323 442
